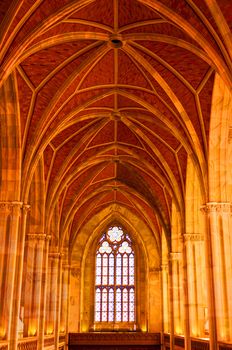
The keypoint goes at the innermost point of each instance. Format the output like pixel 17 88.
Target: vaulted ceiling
pixel 115 95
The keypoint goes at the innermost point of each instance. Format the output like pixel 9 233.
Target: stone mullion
pixel 44 279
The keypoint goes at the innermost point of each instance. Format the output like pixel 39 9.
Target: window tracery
pixel 115 277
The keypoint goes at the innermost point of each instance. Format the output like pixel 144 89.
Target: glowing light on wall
pixel 2 333
pixel 32 331
pixel 144 328
pixel 49 330
pixel 179 330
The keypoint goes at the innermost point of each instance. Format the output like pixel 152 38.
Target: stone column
pixel 5 211
pixel 64 298
pixel 218 216
pixel 192 244
pixel 164 269
pixel 52 303
pixel 155 299
pixel 175 258
pixel 33 284
pixel 58 302
pixel 12 224
pixel 170 297
pixel 184 288
pixel 44 279
pixel 209 275
pixel 29 261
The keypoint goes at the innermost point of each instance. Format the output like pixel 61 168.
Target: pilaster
pixel 194 251
pixel 35 243
pixel 12 225
pixel 54 296
pixel 219 219
pixel 44 279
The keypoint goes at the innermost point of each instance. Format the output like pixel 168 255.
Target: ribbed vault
pixel 114 96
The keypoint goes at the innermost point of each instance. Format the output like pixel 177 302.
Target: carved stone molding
pixel 36 236
pixel 66 267
pixel 11 207
pixel 218 207
pixel 55 255
pixel 164 267
pixel 26 208
pixel 174 256
pixel 196 237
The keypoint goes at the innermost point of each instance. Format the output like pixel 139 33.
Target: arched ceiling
pixel 115 95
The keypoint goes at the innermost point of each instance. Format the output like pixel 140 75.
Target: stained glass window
pixel 115 276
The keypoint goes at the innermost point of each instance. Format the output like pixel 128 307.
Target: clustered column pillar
pixel 43 294
pixel 12 226
pixel 185 297
pixel 171 304
pixel 220 263
pixel 165 304
pixel 34 255
pixel 175 259
pixel 64 298
pixel 194 253
pixel 53 296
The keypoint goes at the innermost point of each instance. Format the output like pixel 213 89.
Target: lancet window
pixel 115 277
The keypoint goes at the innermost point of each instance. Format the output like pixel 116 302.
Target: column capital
pixel 193 237
pixel 11 207
pixel 218 207
pixel 36 236
pixel 164 267
pixel 154 269
pixel 174 256
pixel 26 208
pixel 55 255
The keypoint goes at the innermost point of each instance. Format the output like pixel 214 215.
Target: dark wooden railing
pixel 113 341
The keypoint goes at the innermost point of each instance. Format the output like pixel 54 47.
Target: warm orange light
pixel 194 332
pixel 144 328
pixel 49 330
pixel 32 331
pixel 2 333
pixel 179 330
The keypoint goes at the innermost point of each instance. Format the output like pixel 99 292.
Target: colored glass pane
pixel 114 269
